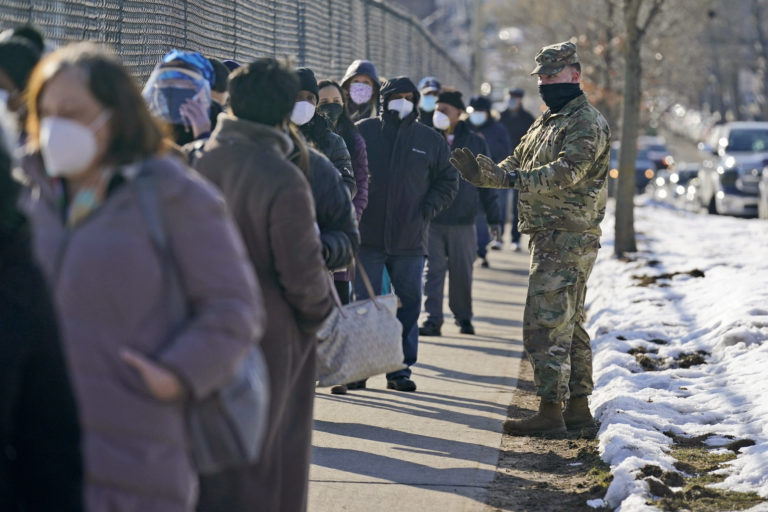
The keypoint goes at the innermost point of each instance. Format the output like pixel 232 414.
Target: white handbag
pixel 360 339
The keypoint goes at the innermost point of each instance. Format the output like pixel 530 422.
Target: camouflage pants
pixel 553 323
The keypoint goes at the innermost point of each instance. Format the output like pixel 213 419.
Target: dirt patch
pixel 644 280
pixel 546 475
pixel 686 360
pixel 696 463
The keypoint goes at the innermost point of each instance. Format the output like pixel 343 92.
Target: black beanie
pixel 452 98
pixel 308 82
pixel 480 103
pixel 18 58
pixel 220 73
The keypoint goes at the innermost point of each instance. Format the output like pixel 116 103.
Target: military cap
pixel 553 58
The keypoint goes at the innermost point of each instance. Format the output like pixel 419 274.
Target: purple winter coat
pixel 107 282
pixel 360 201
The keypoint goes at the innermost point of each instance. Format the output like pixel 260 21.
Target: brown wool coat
pixel 272 204
pixel 108 287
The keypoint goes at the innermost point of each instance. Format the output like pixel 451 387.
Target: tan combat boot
pixel 577 415
pixel 549 420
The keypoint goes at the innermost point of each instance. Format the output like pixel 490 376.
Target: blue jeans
pixel 406 273
pixel 483 236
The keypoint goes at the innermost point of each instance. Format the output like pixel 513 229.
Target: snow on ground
pixel 723 314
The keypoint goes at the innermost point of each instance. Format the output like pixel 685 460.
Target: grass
pixel 699 462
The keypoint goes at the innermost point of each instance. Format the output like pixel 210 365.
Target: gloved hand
pixel 492 175
pixel 495 230
pixel 464 162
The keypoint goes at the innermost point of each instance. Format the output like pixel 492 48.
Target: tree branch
pixel 655 9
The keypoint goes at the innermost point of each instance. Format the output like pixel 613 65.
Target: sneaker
pixel 516 246
pixel 429 329
pixel 465 327
pixel 485 264
pixel 496 245
pixel 401 384
pixel 341 389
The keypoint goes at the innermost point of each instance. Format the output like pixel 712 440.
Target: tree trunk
pixel 630 115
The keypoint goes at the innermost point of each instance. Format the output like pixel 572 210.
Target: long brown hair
pixel 134 132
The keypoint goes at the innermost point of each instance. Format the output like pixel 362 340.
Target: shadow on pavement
pixel 491 351
pixel 422 406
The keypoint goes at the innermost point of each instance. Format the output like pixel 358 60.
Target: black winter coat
pixel 40 462
pixel 466 204
pixel 319 132
pixel 516 123
pixel 411 182
pixel 334 212
pixel 497 138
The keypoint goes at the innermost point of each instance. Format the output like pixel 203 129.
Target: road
pixel 436 449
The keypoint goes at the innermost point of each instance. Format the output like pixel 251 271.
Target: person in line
pixel 247 158
pixel 318 130
pixel 41 468
pixel 218 90
pixel 516 120
pixel 452 236
pixel 482 121
pixel 333 106
pixel 429 88
pixel 560 169
pixel 178 92
pixel 135 366
pixel 362 85
pixel 29 33
pixel 411 182
pixel 18 57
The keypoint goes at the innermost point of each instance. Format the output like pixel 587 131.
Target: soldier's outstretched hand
pixel 464 162
pixel 492 175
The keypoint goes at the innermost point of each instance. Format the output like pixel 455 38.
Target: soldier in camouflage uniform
pixel 560 169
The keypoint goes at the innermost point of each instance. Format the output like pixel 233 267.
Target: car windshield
pixel 748 140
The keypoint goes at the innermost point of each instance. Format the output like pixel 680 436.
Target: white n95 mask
pixel 441 121
pixel 69 147
pixel 303 112
pixel 402 106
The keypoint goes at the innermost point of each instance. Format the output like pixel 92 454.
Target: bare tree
pixel 635 30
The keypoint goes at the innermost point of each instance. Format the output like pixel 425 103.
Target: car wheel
pixel 712 207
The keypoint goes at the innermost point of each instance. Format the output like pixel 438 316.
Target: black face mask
pixel 556 96
pixel 332 111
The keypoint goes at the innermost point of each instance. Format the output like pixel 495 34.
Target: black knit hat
pixel 480 103
pixel 452 98
pixel 17 58
pixel 308 81
pixel 220 73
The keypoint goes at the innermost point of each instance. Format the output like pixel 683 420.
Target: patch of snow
pixel 721 317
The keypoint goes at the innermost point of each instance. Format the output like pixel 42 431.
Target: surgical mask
pixel 428 103
pixel 69 147
pixel 514 103
pixel 332 111
pixel 441 121
pixel 303 112
pixel 478 117
pixel 402 106
pixel 360 93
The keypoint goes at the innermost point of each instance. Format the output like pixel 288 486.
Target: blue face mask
pixel 514 103
pixel 428 103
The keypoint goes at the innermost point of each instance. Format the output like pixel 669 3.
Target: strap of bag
pixel 144 188
pixel 367 283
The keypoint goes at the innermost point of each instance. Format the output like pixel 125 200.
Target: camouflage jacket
pixel 562 164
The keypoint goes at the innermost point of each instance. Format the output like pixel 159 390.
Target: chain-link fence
pixel 325 35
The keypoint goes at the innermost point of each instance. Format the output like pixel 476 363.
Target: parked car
pixel 671 185
pixel 656 150
pixel 729 181
pixel 644 168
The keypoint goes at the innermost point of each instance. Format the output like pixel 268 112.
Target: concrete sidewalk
pixel 436 449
